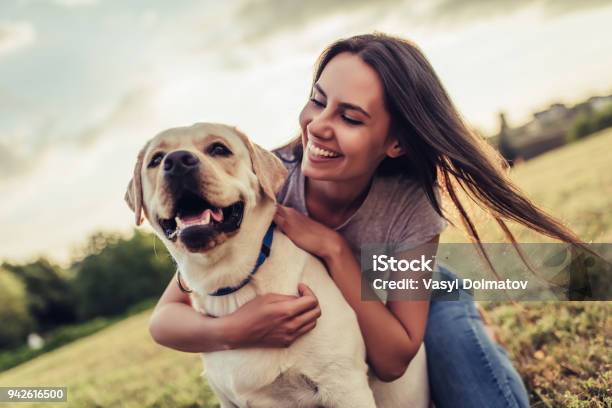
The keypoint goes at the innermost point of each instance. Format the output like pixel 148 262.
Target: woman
pixel 377 136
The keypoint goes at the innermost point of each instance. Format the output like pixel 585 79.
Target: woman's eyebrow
pixel 318 88
pixel 344 105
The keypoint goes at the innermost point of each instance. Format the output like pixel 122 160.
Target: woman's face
pixel 345 123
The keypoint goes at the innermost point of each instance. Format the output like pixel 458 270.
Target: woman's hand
pixel 274 320
pixel 308 234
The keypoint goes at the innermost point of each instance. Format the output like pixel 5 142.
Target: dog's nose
pixel 180 162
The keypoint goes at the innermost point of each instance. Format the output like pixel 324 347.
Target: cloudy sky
pixel 84 83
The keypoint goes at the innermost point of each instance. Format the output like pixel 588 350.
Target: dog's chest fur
pixel 265 280
pixel 271 377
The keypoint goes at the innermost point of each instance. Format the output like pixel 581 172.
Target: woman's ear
pixel 395 150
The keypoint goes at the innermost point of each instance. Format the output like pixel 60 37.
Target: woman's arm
pixel 175 324
pixel 392 333
pixel 271 320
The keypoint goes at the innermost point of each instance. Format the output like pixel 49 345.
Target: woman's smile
pixel 320 154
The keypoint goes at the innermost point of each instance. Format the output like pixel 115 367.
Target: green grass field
pixel 562 350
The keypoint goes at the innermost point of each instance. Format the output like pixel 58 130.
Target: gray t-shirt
pixel 396 211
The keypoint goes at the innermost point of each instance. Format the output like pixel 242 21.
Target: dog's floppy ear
pixel 267 167
pixel 133 195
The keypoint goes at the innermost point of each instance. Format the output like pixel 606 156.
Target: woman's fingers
pixel 304 290
pixel 304 329
pixel 305 299
pixel 281 212
pixel 300 305
pixel 280 222
pixel 279 218
pixel 309 317
pixel 286 217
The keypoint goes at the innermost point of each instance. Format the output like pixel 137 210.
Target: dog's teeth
pixel 217 215
pixel 202 219
pixel 206 218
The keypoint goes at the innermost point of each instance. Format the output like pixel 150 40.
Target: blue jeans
pixel 466 368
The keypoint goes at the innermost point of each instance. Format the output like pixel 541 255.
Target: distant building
pixel 599 103
pixel 547 129
pixel 552 115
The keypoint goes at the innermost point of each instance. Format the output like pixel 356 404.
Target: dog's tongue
pixel 203 217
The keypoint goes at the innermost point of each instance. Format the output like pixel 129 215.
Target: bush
pixel 14 314
pixel 117 273
pixel 50 299
pixel 581 127
pixel 603 120
pixel 588 123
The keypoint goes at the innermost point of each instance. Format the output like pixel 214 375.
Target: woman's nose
pixel 321 126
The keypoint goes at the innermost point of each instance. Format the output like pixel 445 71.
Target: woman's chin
pixel 315 172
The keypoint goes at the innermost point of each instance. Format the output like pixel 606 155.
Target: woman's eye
pixel 217 149
pixel 317 103
pixel 351 121
pixel 156 160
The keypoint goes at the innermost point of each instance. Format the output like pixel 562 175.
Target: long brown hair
pixel 439 147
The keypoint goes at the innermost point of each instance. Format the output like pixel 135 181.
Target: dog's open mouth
pixel 196 221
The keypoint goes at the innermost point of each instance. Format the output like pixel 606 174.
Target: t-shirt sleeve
pixel 284 154
pixel 419 221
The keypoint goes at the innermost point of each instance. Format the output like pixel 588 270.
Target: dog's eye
pixel 156 160
pixel 218 149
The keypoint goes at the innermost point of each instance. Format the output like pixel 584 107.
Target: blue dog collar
pixel 266 245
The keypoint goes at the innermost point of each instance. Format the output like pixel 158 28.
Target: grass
pixel 67 334
pixel 119 366
pixel 562 350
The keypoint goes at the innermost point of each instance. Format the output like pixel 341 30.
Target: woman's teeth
pixel 321 152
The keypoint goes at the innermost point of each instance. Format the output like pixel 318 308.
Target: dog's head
pixel 195 184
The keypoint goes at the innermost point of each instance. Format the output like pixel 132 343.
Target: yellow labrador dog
pixel 210 194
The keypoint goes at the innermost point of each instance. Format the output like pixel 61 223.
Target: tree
pixel 120 273
pixel 505 146
pixel 14 314
pixel 50 298
pixel 590 122
pixel 581 127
